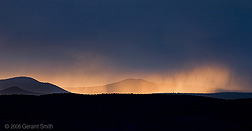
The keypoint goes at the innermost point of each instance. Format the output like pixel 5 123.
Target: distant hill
pixel 221 95
pixel 31 85
pixel 140 86
pixel 125 86
pixel 227 95
pixel 17 91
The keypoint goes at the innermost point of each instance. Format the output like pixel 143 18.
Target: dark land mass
pixel 127 112
pixel 17 91
pixel 31 85
pixel 221 95
pixel 227 95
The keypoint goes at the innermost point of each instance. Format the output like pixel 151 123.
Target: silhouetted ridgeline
pixel 127 112
pixel 222 95
pixel 27 85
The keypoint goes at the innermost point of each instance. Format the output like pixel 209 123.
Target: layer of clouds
pixel 119 37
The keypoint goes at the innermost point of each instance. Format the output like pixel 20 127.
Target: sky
pixel 74 43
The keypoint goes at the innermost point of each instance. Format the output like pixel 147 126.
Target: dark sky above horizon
pixel 102 41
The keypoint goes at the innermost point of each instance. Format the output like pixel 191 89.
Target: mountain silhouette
pixel 140 86
pixel 31 85
pixel 125 86
pixel 16 90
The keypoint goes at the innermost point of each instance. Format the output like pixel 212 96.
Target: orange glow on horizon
pixel 201 79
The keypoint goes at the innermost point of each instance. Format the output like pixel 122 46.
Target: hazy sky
pixel 92 42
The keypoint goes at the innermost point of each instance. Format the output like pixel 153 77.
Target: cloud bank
pixel 88 43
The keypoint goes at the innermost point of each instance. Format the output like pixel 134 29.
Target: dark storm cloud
pixel 133 35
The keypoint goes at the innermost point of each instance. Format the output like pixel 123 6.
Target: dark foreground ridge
pixel 126 112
